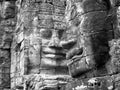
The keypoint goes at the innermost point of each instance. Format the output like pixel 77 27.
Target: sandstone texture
pixel 59 45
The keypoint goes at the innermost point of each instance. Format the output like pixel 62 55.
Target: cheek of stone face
pixel 74 35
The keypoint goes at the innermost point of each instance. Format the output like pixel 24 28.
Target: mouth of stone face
pixel 53 54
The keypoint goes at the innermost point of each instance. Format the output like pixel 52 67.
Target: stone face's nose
pixel 55 41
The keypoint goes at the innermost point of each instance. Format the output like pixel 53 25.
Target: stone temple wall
pixel 18 33
pixel 26 45
pixel 7 27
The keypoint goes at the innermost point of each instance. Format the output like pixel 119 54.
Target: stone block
pixel 113 64
pixel 60 25
pixel 96 83
pixel 46 23
pixel 59 11
pixel 8 10
pixel 60 3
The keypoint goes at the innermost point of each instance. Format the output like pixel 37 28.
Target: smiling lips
pixel 53 53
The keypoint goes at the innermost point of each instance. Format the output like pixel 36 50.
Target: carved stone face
pixel 54 48
pixel 55 44
pixel 56 40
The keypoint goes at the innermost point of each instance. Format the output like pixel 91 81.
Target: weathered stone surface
pixel 7 26
pixel 92 27
pixel 96 83
pixel 113 64
pixel 50 34
pixel 118 19
pixel 39 41
pixel 37 81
